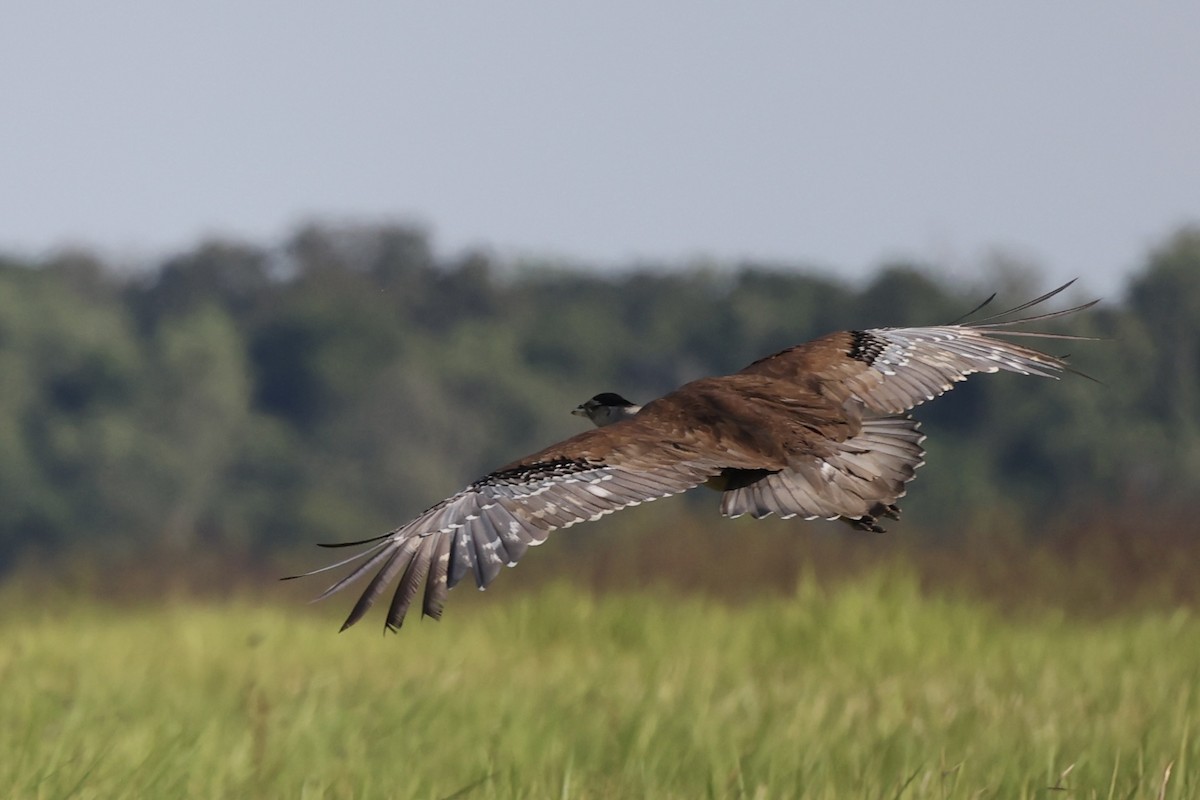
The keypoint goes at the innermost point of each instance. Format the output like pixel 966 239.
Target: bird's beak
pixel 580 411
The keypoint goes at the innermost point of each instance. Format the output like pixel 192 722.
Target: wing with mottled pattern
pixel 891 370
pixel 492 522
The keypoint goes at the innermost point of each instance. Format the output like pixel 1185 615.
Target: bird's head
pixel 606 408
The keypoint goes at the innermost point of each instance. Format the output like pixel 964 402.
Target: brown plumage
pixel 817 430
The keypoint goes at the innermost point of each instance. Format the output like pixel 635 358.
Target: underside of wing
pixel 492 522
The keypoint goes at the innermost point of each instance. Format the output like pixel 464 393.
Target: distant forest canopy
pixel 259 398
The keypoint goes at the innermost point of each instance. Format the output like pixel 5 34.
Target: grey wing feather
pixel 410 583
pixel 909 366
pixel 491 523
pixel 914 365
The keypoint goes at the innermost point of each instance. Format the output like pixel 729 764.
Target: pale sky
pixel 836 134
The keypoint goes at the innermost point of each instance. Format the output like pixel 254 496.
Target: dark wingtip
pixel 433 612
pixel 1030 304
pixel 975 310
pixel 360 541
pixel 360 608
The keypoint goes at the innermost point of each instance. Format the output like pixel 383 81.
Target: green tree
pixel 198 412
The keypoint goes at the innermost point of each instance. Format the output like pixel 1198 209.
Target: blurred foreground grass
pixel 866 689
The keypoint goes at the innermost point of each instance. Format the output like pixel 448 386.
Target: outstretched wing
pixel 492 522
pixel 891 370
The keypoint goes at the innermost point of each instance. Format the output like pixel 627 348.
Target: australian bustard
pixel 817 430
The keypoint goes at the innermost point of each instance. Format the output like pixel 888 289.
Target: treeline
pixel 249 398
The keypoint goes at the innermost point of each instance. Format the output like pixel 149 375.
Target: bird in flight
pixel 819 430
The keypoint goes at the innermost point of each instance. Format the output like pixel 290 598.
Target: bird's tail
pixel 859 482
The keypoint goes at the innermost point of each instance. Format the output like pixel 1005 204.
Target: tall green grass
pixel 869 689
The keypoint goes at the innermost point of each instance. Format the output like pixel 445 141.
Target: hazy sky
pixel 836 134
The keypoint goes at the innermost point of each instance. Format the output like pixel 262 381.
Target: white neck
pixel 607 415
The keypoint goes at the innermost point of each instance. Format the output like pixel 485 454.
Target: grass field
pixel 870 690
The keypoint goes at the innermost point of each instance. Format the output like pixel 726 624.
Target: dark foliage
pixel 254 399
